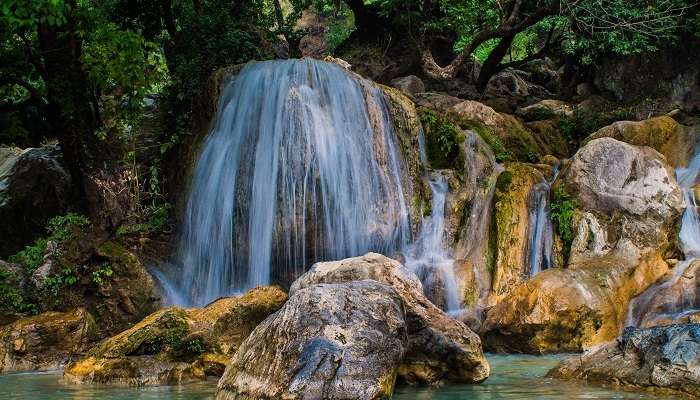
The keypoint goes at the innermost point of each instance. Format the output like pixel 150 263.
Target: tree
pixel 581 26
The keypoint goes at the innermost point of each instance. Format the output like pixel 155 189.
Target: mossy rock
pixel 175 345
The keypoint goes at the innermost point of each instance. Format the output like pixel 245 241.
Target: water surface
pixel 512 377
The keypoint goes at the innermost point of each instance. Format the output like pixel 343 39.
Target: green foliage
pixel 504 180
pixel 153 219
pixel 195 346
pixel 60 229
pixel 562 212
pixel 442 140
pixel 11 299
pixel 55 282
pixel 100 276
pixel 580 124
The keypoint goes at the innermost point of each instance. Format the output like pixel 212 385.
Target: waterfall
pixel 689 238
pixel 427 256
pixel 540 235
pixel 301 165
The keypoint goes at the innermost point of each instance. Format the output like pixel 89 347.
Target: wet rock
pixel 569 310
pixel 673 299
pixel 45 341
pixel 664 358
pixel 628 200
pixel 335 341
pixel 409 84
pixel 439 347
pixel 625 206
pixel 34 187
pixel 664 134
pixel 176 345
pixel 511 133
pixel 512 222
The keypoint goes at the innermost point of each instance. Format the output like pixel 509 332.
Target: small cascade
pixel 540 236
pixel 301 165
pixel 689 238
pixel 427 256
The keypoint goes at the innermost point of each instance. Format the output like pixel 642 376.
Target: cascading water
pixel 427 256
pixel 295 170
pixel 689 238
pixel 540 236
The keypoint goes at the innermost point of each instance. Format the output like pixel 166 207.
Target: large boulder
pixel 619 204
pixel 439 347
pixel 664 134
pixel 333 341
pixel 568 310
pixel 176 345
pixel 628 201
pixel 664 358
pixel 45 341
pixel 522 143
pixel 34 186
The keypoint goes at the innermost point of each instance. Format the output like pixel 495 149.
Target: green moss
pixel 579 125
pixel 499 150
pixel 442 141
pixel 504 180
pixel 562 212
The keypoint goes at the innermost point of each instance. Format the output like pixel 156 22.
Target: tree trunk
pixel 492 63
pixel 73 114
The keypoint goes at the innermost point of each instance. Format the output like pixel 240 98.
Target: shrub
pixel 442 140
pixel 562 212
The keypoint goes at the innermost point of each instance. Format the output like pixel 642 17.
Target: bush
pixel 442 140
pixel 60 229
pixel 562 211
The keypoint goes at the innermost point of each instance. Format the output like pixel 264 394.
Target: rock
pixel 628 200
pixel 410 85
pixel 511 133
pixel 508 83
pixel 668 77
pixel 333 341
pixel 436 101
pixel 625 204
pixel 665 358
pixel 568 310
pixel 544 72
pixel 34 187
pixel 548 135
pixel 314 45
pixel 439 347
pixel 176 345
pixel 675 141
pixel 673 299
pixel 45 341
pixel 512 222
pixel 545 109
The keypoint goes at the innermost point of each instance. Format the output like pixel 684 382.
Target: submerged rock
pixel 332 341
pixel 176 345
pixel 45 341
pixel 439 347
pixel 656 358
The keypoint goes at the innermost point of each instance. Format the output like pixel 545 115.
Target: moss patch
pixel 443 139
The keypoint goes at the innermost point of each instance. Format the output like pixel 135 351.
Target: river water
pixel 512 377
